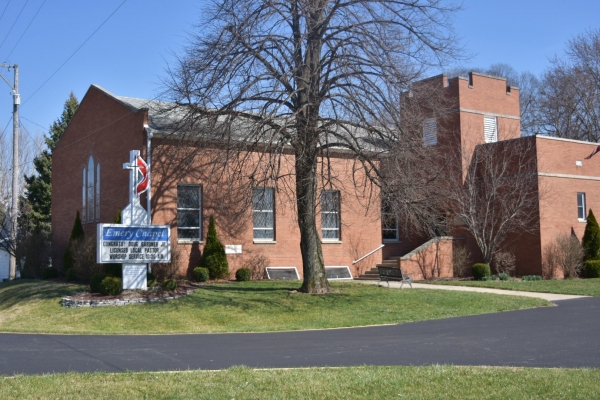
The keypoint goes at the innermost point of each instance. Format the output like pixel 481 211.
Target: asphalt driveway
pixel 567 335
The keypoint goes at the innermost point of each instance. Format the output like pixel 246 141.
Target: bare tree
pixel 308 78
pixel 500 194
pixel 565 254
pixel 569 102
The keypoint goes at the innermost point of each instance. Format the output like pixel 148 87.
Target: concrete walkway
pixel 545 296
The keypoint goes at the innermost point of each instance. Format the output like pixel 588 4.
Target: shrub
pixel 111 286
pixel 504 262
pixel 243 275
pixel 84 259
pixel 480 270
pixel 169 270
pixel 591 238
pixel 563 253
pixel 258 266
pixel 96 282
pixel 34 248
pixel 201 274
pixel 532 278
pixel 71 275
pixel 76 236
pixel 591 269
pixel 492 278
pixel 213 256
pixel 461 259
pixel 169 284
pixel 49 273
pixel 503 276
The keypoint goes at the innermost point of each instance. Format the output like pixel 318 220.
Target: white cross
pixel 133 175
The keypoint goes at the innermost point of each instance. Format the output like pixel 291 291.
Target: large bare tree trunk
pixel 313 264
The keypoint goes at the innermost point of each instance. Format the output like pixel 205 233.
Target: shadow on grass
pixel 22 291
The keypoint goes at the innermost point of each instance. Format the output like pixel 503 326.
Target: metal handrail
pixel 368 254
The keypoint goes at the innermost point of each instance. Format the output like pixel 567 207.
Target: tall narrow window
pixel 83 197
pixel 263 207
pixel 330 215
pixel 429 132
pixel 490 129
pixel 189 212
pixel 90 189
pixel 97 200
pixel 389 224
pixel 581 206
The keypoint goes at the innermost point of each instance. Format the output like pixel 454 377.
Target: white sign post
pixel 134 242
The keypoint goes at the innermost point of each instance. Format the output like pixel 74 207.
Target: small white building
pixel 3 264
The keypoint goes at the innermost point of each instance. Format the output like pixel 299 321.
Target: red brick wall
pixel 106 130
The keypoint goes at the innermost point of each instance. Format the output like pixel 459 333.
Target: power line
pixel 13 25
pixel 75 52
pixel 23 34
pixel 4 10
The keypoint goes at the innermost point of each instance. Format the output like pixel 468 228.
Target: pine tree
pixel 213 256
pixel 38 188
pixel 77 235
pixel 591 238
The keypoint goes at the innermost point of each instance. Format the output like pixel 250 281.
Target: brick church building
pixel 88 177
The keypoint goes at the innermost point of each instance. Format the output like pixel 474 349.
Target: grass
pixel 431 382
pixel 33 306
pixel 584 287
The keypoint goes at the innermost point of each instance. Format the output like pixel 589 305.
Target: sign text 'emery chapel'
pixel 133 244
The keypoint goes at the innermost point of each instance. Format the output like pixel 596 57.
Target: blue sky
pixel 129 53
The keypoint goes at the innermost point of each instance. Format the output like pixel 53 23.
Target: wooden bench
pixel 393 274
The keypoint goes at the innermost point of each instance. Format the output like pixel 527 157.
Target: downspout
pixel 148 161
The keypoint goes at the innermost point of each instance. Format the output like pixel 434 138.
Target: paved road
pixel 564 336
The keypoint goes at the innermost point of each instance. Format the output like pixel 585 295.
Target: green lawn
pixel 434 382
pixel 584 287
pixel 33 306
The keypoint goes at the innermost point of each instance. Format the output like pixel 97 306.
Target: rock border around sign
pixel 69 302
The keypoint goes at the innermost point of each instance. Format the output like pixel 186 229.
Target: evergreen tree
pixel 77 235
pixel 591 238
pixel 213 256
pixel 38 188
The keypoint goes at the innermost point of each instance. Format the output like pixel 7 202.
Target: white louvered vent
pixel 490 129
pixel 429 132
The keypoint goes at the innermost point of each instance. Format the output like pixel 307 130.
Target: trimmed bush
pixel 201 274
pixel 49 273
pixel 111 286
pixel 96 283
pixel 169 284
pixel 480 270
pixel 71 275
pixel 213 256
pixel 591 269
pixel 591 238
pixel 503 276
pixel 243 275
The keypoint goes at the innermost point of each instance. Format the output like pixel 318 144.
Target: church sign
pixel 133 244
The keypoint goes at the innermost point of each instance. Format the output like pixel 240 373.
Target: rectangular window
pixel 98 192
pixel 330 215
pixel 83 199
pixel 581 206
pixel 429 132
pixel 389 224
pixel 189 212
pixel 490 129
pixel 263 213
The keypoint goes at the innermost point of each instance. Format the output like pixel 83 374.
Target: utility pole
pixel 14 211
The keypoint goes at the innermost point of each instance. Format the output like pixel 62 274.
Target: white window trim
pixel 584 206
pixel 272 211
pixel 337 212
pixel 199 209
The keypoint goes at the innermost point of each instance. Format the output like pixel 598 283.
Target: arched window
pixel 90 189
pixel 90 193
